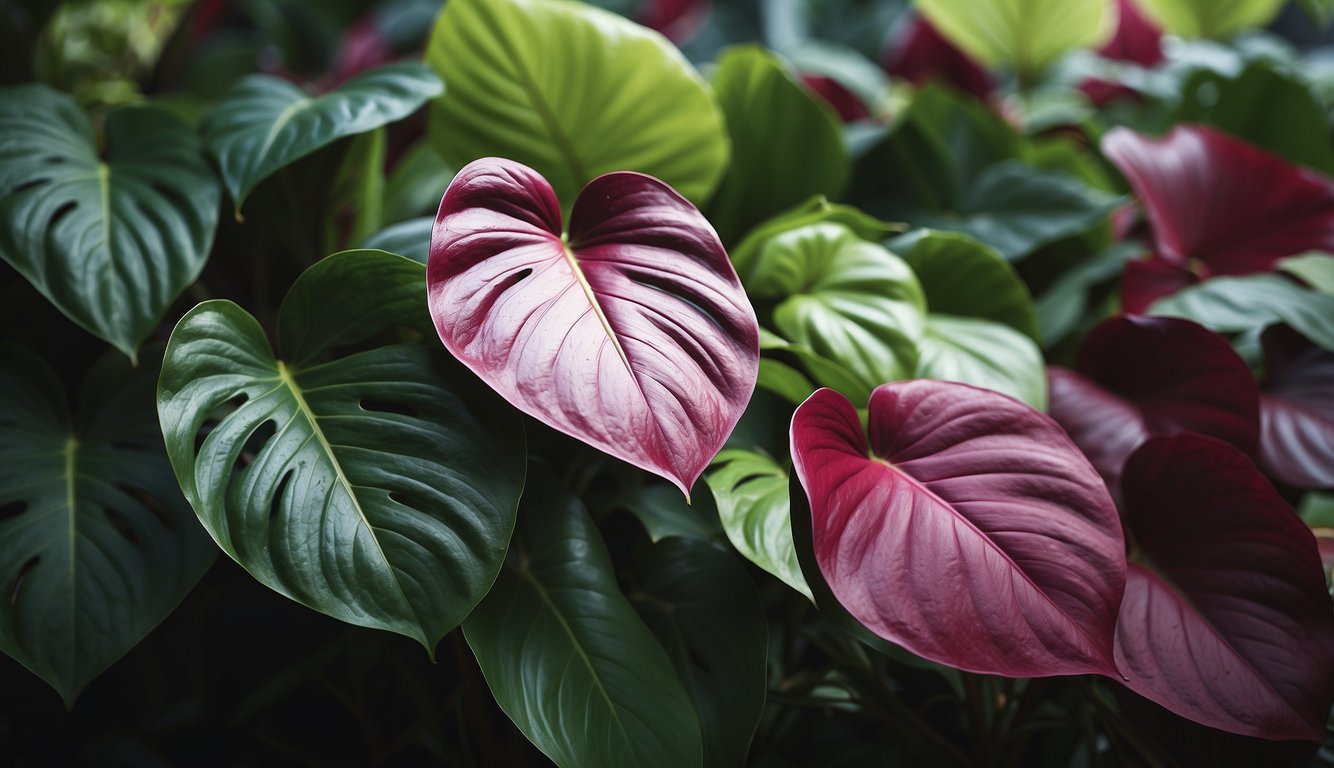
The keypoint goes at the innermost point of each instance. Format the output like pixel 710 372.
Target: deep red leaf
pixel 970 531
pixel 633 335
pixel 1137 377
pixel 920 55
pixel 1137 39
pixel 1145 281
pixel 1226 620
pixel 848 106
pixel 1215 199
pixel 1297 410
pixel 677 20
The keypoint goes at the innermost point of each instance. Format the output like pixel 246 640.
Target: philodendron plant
pixel 697 426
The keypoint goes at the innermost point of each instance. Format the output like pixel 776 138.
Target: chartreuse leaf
pixel 96 543
pixel 1216 19
pixel 110 239
pixel 565 655
pixel 751 491
pixel 1025 35
pixel 572 92
pixel 265 122
pixel 702 606
pixel 769 115
pixel 376 486
pixel 1315 269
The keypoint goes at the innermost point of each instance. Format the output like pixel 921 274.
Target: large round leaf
pixel 379 486
pixel 1027 35
pixel 1226 619
pixel 574 92
pixel 1297 411
pixel 96 543
pixel 565 655
pixel 751 491
pixel 1211 18
pixel 969 530
pixel 265 122
pixel 110 240
pixel 630 333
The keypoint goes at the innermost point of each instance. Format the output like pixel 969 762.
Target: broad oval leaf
pixel 1297 411
pixel 97 544
pixel 751 492
pixel 265 122
pixel 1218 19
pixel 1226 619
pixel 1027 35
pixel 969 530
pixel 110 240
pixel 1137 377
pixel 378 486
pixel 574 92
pixel 565 655
pixel 631 332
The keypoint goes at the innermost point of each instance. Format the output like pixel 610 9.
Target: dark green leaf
pixel 751 491
pixel 416 184
pixel 664 512
pixel 411 238
pixel 1065 302
pixel 1236 304
pixel 963 277
pixel 356 201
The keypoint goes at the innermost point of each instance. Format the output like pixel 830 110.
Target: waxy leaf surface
pixel 1218 19
pixel 969 530
pixel 1026 35
pixel 751 491
pixel 630 332
pixel 1297 411
pixel 1226 619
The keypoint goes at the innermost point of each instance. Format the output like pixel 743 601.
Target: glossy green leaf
pixel 1025 35
pixel 1217 19
pixel 411 238
pixel 751 490
pixel 1315 269
pixel 265 122
pixel 965 278
pixel 814 211
pixel 664 512
pixel 416 183
pixel 572 92
pixel 784 380
pixel 702 606
pixel 985 354
pixel 1237 304
pixel 1065 302
pixel 356 202
pixel 110 240
pixel 566 656
pixel 376 486
pixel 770 116
pixel 822 370
pixel 97 545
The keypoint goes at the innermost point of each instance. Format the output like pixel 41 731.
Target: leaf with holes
pixel 969 530
pixel 110 241
pixel 565 655
pixel 374 483
pixel 630 332
pixel 574 92
pixel 96 543
pixel 265 122
pixel 751 491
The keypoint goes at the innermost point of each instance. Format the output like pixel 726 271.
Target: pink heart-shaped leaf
pixel 631 332
pixel 970 531
pixel 1137 377
pixel 1226 620
pixel 1297 410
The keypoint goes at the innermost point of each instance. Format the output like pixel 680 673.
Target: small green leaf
pixel 965 278
pixel 664 512
pixel 1026 35
pixel 1315 269
pixel 111 241
pixel 752 494
pixel 566 656
pixel 1237 304
pixel 1066 301
pixel 814 211
pixel 97 545
pixel 356 202
pixel 1317 509
pixel 416 183
pixel 265 122
pixel 784 380
pixel 823 371
pixel 411 238
pixel 1217 19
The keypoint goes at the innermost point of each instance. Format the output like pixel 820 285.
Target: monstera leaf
pixel 630 332
pixel 265 122
pixel 111 240
pixel 376 486
pixel 574 92
pixel 969 530
pixel 1027 35
pixel 96 543
pixel 751 491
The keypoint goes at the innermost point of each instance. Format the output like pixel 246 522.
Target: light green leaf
pixel 97 545
pixel 376 486
pixel 752 494
pixel 111 241
pixel 965 278
pixel 770 116
pixel 565 655
pixel 1025 35
pixel 814 211
pixel 823 371
pixel 1315 269
pixel 1217 19
pixel 573 92
pixel 265 122
pixel 984 354
pixel 1236 304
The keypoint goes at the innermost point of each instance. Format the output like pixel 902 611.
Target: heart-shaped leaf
pixel 376 486
pixel 631 332
pixel 111 240
pixel 1297 411
pixel 96 543
pixel 1137 377
pixel 969 530
pixel 265 122
pixel 1226 619
pixel 751 491
pixel 817 210
pixel 1027 35
pixel 1218 19
pixel 574 92
pixel 565 655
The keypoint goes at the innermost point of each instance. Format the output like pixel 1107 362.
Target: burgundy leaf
pixel 1297 410
pixel 677 20
pixel 631 333
pixel 920 54
pixel 845 102
pixel 1215 199
pixel 970 531
pixel 1145 281
pixel 1137 377
pixel 1226 620
pixel 1137 39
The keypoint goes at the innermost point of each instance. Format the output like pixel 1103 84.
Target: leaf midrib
pixel 559 139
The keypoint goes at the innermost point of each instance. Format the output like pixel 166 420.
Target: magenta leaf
pixel 1220 205
pixel 1137 38
pixel 970 531
pixel 921 55
pixel 1138 377
pixel 1297 411
pixel 630 332
pixel 1226 620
